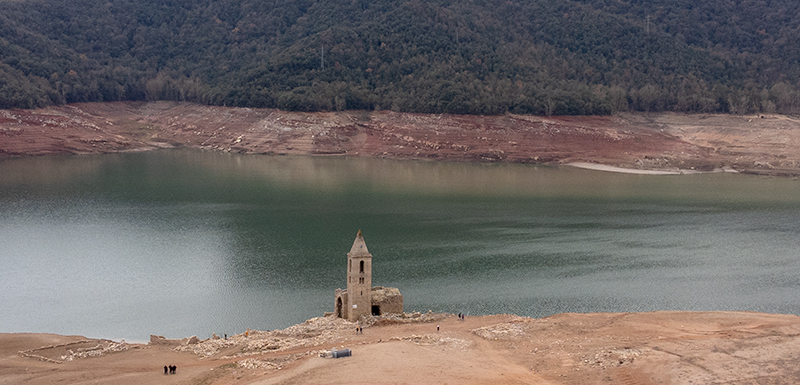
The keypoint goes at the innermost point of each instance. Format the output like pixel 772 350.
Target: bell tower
pixel 359 279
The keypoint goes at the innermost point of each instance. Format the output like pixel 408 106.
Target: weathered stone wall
pixel 161 340
pixel 340 304
pixel 388 299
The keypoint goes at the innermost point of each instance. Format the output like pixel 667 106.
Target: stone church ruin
pixel 360 298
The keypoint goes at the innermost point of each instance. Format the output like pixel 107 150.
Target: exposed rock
pixel 75 350
pixel 504 331
pixel 614 357
pixel 636 141
pixel 436 340
pixel 403 318
pixel 193 340
pixel 309 334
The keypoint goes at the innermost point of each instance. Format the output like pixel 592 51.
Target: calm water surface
pixel 185 243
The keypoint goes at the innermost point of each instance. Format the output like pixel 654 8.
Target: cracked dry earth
pixel 600 348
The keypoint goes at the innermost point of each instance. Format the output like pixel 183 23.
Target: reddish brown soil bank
pixel 759 144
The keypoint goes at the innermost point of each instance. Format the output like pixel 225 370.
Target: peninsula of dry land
pixel 585 349
pixel 761 144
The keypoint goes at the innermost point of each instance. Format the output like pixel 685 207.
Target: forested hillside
pixel 474 57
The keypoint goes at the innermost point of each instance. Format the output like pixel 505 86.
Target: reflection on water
pixel 189 242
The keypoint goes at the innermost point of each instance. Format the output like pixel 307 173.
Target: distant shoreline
pixel 655 143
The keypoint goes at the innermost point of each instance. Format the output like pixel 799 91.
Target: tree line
pixel 561 57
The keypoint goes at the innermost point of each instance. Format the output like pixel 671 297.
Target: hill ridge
pixel 563 57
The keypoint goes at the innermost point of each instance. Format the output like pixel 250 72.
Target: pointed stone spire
pixel 359 248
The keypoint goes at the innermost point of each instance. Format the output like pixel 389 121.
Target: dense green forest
pixel 440 56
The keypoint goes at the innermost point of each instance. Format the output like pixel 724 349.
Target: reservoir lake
pixel 182 242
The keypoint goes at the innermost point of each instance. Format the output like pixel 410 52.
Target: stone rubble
pixel 313 332
pixel 271 364
pixel 435 340
pixel 100 349
pixel 510 330
pixel 403 318
pixel 614 357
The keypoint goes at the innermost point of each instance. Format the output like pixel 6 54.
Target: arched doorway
pixel 339 307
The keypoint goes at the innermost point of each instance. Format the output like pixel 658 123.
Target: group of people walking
pixel 170 369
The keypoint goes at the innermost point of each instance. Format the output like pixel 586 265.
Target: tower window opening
pixel 362 267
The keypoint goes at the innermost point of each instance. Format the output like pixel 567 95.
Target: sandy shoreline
pixel 600 348
pixel 653 143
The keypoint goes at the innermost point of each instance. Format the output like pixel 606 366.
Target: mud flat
pixel 667 142
pixel 600 348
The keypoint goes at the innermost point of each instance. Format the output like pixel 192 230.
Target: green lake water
pixel 180 242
